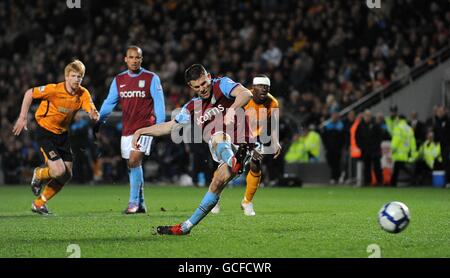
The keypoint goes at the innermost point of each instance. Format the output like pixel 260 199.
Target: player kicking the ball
pixel 216 111
pixel 59 104
pixel 262 112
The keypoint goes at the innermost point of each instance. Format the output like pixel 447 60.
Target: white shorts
pixel 212 147
pixel 145 143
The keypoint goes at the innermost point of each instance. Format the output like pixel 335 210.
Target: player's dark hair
pixel 194 72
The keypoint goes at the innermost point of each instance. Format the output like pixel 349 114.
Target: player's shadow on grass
pixel 158 216
pixel 293 212
pixel 148 236
pixel 21 216
pixel 292 229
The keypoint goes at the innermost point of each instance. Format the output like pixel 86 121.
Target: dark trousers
pixel 334 161
pixel 445 152
pixel 423 173
pixel 369 162
pixel 400 166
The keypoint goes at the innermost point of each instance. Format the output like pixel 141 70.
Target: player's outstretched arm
pixel 275 134
pixel 243 96
pixel 21 122
pixel 154 130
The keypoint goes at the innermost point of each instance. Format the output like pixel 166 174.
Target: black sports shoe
pixel 239 158
pixel 40 210
pixel 175 230
pixel 36 183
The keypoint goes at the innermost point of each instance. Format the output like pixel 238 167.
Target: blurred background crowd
pixel 321 56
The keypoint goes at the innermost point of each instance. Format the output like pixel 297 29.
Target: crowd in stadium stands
pixel 321 56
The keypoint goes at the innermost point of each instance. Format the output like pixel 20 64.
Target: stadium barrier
pixel 312 173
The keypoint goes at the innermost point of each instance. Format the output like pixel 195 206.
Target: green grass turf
pixel 290 222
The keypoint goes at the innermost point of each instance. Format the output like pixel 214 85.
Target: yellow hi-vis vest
pixel 403 142
pixel 312 143
pixel 430 152
pixel 297 151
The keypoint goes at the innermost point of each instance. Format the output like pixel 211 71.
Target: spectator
pixel 297 152
pixel 312 143
pixel 272 55
pixel 369 136
pixel 401 71
pixel 430 159
pixel 392 120
pixel 418 128
pixel 379 120
pixel 442 135
pixel 333 139
pixel 404 150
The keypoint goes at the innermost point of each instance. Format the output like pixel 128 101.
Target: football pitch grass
pixel 319 222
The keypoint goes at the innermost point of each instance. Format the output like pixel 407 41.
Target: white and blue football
pixel 394 217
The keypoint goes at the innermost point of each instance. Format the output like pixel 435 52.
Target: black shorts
pixel 54 146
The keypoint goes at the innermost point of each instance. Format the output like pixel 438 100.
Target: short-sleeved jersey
pixel 141 97
pixel 136 101
pixel 58 107
pixel 259 114
pixel 202 112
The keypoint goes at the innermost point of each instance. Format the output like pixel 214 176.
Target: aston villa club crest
pixel 141 83
pixel 213 100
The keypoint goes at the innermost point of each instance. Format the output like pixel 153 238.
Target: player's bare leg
pixel 222 176
pixel 41 175
pixel 38 179
pixel 218 183
pixel 61 173
pixel 136 202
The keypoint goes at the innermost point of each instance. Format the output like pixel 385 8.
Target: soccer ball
pixel 394 217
